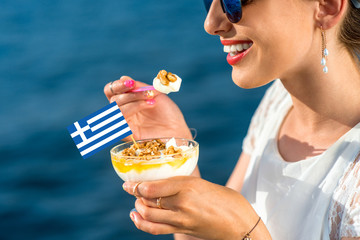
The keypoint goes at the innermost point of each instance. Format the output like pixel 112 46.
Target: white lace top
pixel 313 199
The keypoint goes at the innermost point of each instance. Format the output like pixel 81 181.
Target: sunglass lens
pixel 207 4
pixel 233 10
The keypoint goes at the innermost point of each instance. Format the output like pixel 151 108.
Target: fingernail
pixel 132 216
pixel 150 101
pixel 129 83
pixel 149 94
pixel 125 186
pixel 133 210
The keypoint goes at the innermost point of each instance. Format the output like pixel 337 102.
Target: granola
pixel 150 149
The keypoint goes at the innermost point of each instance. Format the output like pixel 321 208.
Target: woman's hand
pixel 193 206
pixel 148 115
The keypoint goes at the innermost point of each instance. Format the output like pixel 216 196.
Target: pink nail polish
pixel 150 101
pixel 129 83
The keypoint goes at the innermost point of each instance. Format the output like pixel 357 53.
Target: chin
pixel 249 81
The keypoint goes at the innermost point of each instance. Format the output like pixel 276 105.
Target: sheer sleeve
pixel 344 215
pixel 274 95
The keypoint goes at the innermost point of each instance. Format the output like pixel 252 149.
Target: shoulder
pixel 344 215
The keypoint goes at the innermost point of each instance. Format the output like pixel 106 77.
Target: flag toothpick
pixel 99 130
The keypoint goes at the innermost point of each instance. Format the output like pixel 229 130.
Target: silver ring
pixel 110 86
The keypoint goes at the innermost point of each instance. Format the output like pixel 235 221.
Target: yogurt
pixel 132 168
pixel 171 87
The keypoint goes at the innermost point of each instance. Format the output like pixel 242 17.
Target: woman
pixel 300 166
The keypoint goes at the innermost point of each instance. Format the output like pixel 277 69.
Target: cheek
pixel 284 50
pixel 285 36
pixel 288 44
pixel 264 63
pixel 289 53
pixel 270 58
pixel 281 46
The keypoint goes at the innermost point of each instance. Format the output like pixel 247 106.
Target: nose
pixel 216 22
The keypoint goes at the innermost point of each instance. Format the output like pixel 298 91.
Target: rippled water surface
pixel 55 58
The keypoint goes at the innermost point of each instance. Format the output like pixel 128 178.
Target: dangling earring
pixel 324 51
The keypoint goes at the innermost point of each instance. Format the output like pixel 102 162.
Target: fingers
pixel 154 203
pixel 156 189
pixel 132 108
pixel 122 85
pixel 161 207
pixel 162 202
pixel 159 220
pixel 122 99
pixel 155 214
pixel 129 102
pixel 151 227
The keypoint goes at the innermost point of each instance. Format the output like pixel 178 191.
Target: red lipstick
pixel 232 60
pixel 234 42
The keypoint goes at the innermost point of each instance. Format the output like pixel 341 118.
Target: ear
pixel 330 12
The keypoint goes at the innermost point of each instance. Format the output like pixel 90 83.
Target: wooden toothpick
pixel 132 137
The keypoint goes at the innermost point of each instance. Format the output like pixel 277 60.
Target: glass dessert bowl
pixel 154 159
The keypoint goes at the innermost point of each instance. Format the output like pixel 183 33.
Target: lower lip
pixel 232 60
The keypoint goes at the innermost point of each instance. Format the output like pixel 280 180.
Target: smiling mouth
pixel 235 49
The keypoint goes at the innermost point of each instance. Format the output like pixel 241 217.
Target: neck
pixel 321 99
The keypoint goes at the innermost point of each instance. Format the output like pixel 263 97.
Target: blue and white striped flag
pixel 99 130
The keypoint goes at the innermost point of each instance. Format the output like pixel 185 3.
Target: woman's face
pixel 279 33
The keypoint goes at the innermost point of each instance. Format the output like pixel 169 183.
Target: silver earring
pixel 324 51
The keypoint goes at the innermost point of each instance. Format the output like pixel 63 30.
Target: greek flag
pixel 99 130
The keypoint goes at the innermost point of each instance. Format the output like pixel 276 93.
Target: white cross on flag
pixel 99 130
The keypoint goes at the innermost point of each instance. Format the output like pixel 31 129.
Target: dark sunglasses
pixel 232 8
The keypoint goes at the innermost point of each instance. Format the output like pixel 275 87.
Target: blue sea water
pixel 55 58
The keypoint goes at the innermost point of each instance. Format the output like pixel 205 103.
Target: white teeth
pixel 239 47
pixel 232 54
pixel 246 46
pixel 227 48
pixel 234 49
